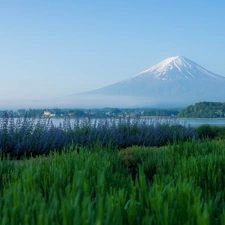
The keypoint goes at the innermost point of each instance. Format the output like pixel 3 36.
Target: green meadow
pixel 179 183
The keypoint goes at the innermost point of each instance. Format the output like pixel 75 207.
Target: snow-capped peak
pixel 177 67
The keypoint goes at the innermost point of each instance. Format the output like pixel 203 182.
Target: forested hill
pixel 204 110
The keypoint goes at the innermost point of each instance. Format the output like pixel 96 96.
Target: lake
pixel 199 122
pixel 192 122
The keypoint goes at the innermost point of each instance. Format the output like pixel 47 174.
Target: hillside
pixel 204 110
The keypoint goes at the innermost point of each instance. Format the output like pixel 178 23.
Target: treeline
pixel 161 112
pixel 91 113
pixel 204 110
pixel 38 113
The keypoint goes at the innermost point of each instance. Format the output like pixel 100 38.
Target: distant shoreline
pixel 193 118
pixel 182 118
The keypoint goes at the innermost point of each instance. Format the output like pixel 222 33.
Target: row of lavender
pixel 27 136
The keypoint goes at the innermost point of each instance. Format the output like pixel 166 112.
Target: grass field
pixel 180 183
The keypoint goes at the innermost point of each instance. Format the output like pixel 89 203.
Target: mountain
pixel 175 81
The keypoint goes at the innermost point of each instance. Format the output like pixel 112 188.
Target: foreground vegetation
pixel 181 183
pixel 174 175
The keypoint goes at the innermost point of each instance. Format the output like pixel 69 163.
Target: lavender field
pixel 27 136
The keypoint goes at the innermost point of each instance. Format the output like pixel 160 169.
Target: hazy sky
pixel 58 47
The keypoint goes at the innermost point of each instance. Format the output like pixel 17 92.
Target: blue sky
pixel 55 48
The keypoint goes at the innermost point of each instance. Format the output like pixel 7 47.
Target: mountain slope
pixel 174 80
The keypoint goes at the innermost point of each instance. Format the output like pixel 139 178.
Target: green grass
pixel 181 183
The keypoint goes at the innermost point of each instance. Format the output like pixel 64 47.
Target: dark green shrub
pixel 208 131
pixel 149 158
pixel 205 131
pixel 130 158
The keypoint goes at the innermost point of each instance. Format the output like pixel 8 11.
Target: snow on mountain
pixel 177 67
pixel 175 80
